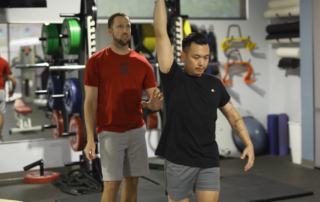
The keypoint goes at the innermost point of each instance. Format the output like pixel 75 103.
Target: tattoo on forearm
pixel 230 110
pixel 237 127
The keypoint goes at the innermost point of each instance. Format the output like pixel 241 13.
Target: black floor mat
pixel 250 187
pixel 240 188
pixel 247 187
pixel 147 192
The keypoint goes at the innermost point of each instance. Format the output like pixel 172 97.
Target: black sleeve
pixel 224 97
pixel 171 74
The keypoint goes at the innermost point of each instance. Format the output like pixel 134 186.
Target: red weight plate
pixel 76 141
pixel 152 121
pixel 35 178
pixel 57 119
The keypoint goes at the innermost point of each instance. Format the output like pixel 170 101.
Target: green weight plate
pixel 77 35
pixel 51 44
pixel 45 33
pixel 73 36
pixel 52 39
pixel 72 44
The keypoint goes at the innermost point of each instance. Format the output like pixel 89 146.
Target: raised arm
pixel 163 44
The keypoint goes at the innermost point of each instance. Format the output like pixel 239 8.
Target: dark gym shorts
pixel 182 181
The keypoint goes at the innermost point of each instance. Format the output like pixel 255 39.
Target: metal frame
pixel 80 67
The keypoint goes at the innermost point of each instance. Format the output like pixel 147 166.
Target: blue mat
pixel 283 135
pixel 273 131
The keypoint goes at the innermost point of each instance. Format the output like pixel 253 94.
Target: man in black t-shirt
pixel 192 98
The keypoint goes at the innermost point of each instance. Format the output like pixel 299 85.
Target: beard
pixel 120 41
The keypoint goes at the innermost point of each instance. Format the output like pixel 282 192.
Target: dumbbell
pixel 70 95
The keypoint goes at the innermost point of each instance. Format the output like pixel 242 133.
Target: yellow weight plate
pixel 186 28
pixel 149 37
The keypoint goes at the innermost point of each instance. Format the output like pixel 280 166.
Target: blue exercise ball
pixel 257 134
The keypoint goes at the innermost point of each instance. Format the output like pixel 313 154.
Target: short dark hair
pixel 195 37
pixel 111 18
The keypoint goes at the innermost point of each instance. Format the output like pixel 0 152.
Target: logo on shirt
pixel 125 69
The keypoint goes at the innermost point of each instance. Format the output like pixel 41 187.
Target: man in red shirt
pixel 114 80
pixel 5 74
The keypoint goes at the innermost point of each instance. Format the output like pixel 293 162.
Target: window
pixel 214 8
pixel 230 9
pixel 4 42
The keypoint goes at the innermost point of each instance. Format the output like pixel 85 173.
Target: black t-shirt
pixel 188 137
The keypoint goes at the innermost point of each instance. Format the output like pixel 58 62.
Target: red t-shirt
pixel 4 69
pixel 120 80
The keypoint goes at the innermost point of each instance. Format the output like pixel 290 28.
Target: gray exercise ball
pixel 257 134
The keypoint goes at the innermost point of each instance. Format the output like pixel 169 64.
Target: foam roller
pixel 288 52
pixel 283 28
pixel 286 63
pixel 283 36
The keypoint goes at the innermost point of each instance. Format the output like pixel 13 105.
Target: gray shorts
pixel 2 101
pixel 182 181
pixel 123 154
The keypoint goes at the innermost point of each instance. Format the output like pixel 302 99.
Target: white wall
pixel 102 37
pixel 54 152
pixel 40 15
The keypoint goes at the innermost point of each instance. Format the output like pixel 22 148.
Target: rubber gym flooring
pixel 276 168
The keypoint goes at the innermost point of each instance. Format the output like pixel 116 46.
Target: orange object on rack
pixel 247 78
